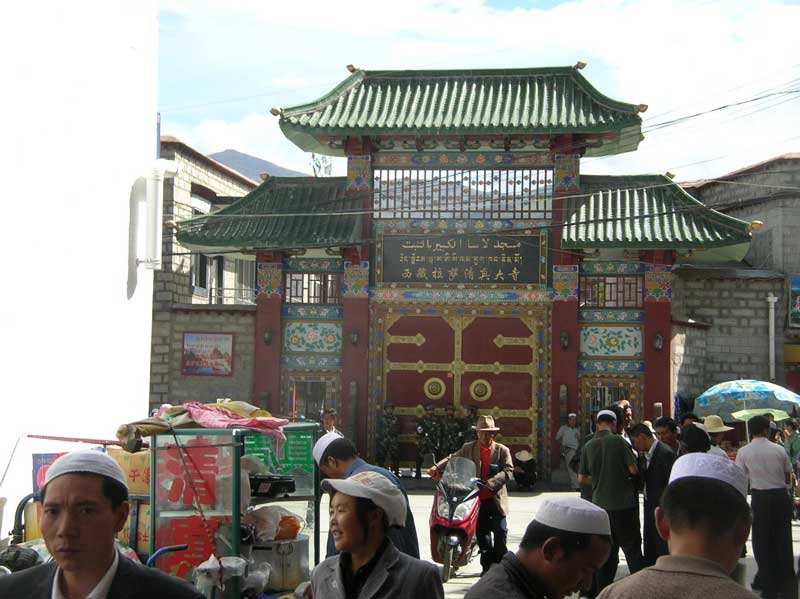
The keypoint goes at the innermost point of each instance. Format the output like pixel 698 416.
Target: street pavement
pixel 523 507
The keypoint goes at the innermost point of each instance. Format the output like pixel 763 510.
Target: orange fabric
pixel 486 456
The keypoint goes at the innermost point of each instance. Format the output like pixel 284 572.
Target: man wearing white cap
pixel 337 457
pixel 569 437
pixel 608 464
pixel 362 509
pixel 768 468
pixel 84 506
pixel 705 519
pixel 568 540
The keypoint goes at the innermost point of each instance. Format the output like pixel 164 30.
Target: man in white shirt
pixel 568 436
pixel 769 472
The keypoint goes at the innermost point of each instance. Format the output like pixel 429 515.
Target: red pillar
pixel 267 358
pixel 355 361
pixel 355 300
pixel 564 369
pixel 657 366
pixel 658 333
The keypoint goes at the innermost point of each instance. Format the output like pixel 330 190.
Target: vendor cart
pixel 198 497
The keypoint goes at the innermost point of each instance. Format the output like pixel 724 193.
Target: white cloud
pixel 677 56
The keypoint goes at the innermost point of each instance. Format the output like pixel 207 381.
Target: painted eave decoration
pixel 551 100
pixel 645 212
pixel 282 213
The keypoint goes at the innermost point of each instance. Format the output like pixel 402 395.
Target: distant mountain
pixel 252 167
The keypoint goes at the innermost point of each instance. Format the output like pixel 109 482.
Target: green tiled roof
pixel 282 213
pixel 647 211
pixel 463 102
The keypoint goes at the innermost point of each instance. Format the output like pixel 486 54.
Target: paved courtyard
pixel 523 506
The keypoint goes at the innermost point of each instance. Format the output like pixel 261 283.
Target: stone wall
pixel 735 342
pixel 167 382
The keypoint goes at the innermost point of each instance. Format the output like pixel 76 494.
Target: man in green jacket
pixel 607 463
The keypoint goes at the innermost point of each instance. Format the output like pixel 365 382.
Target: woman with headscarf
pixel 368 565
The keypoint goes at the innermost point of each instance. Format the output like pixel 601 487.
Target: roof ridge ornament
pixel 352 68
pixel 580 65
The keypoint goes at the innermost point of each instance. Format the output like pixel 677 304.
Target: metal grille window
pixel 612 291
pixel 313 288
pixel 457 193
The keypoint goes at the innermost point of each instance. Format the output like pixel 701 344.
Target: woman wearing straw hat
pixel 714 427
pixel 493 461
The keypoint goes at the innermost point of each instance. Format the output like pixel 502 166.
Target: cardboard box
pixel 136 467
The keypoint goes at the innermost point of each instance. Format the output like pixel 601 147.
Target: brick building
pixel 189 284
pixel 730 303
pixel 464 260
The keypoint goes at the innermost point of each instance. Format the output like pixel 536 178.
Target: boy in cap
pixel 84 506
pixel 495 468
pixel 705 519
pixel 337 458
pixel 563 547
pixel 363 507
pixel 608 463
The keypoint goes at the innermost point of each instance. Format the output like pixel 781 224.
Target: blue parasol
pixel 725 398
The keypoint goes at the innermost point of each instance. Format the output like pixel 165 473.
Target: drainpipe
pixel 155 211
pixel 771 299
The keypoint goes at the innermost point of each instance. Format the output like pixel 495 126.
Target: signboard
pixel 794 301
pixel 207 354
pixel 471 259
pixel 297 460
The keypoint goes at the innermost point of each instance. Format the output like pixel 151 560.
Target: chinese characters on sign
pixel 207 354
pixel 466 259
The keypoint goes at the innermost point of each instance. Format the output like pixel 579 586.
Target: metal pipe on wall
pixel 771 299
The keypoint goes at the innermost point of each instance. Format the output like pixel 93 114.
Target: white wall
pixel 78 122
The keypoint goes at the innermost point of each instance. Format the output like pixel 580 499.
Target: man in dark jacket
pixel 84 505
pixel 656 478
pixel 567 542
pixel 337 458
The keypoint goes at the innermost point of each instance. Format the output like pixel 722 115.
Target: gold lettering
pixel 499 276
pixel 452 274
pixel 436 273
pixel 514 274
pixel 406 273
pixel 484 276
pixel 422 273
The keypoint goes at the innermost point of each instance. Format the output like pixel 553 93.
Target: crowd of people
pixel 696 520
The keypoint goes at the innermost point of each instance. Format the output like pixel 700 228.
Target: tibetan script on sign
pixel 463 259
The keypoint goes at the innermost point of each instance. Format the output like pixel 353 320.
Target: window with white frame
pixel 245 292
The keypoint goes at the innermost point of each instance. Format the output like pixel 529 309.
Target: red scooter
pixel 454 516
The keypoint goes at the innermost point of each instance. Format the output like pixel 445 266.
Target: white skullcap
pixel 322 444
pixel 376 487
pixel 572 415
pixel 86 462
pixel 573 514
pixel 709 465
pixel 607 413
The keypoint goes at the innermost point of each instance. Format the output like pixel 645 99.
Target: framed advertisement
pixel 207 354
pixel 794 300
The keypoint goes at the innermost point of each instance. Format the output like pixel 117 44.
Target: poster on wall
pixel 794 301
pixel 207 354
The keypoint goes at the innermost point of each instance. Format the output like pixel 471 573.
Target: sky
pixel 224 63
